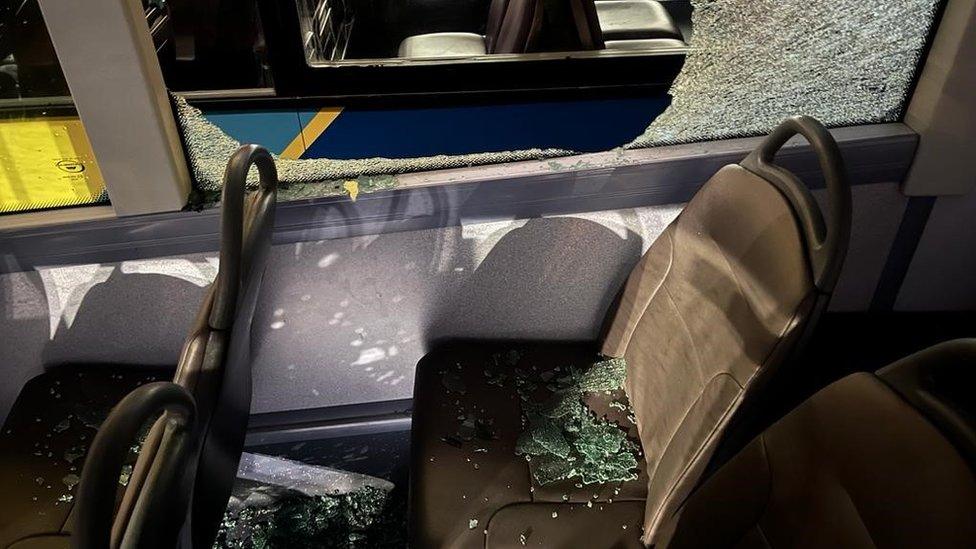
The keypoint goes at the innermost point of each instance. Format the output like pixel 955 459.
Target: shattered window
pixel 563 437
pixel 749 65
pixel 752 64
pixel 209 147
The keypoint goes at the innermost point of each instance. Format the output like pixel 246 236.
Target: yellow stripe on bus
pixel 315 127
pixel 46 162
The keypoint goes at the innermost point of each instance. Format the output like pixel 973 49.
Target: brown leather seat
pixel 719 301
pixel 509 29
pixel 49 439
pixel 882 460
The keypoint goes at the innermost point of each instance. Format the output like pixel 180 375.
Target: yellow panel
pixel 45 163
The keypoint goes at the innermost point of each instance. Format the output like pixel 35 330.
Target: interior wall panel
pixel 942 275
pixel 345 321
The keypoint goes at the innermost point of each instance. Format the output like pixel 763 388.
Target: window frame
pixel 508 75
pixel 302 92
pixel 124 106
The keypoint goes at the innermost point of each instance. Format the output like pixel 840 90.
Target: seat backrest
pixel 228 397
pixel 215 372
pixel 496 14
pixel 939 382
pixel 511 25
pixel 719 301
pixel 869 461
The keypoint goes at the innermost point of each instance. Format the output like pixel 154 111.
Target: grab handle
pixel 103 465
pixel 826 242
pixel 232 221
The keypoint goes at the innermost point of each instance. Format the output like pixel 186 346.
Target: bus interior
pixel 487 274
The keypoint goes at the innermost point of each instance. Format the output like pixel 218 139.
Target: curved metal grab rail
pixel 827 242
pixel 100 479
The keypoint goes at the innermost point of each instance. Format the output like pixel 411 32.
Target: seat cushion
pixel 853 466
pixel 442 44
pixel 45 438
pixel 567 526
pixel 62 541
pixel 467 420
pixel 635 19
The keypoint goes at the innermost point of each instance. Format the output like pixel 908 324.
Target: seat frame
pixel 184 473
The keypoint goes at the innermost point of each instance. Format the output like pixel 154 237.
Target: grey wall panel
pixel 24 325
pixel 593 182
pixel 134 312
pixel 878 212
pixel 345 321
pixel 942 275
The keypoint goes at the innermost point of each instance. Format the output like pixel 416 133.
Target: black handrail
pixel 100 478
pixel 826 243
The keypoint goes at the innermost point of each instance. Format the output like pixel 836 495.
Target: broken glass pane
pixel 209 147
pixel 753 63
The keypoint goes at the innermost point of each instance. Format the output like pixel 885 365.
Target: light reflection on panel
pixel 345 321
pixel 135 312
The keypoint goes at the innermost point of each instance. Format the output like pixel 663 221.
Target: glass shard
pixel 564 439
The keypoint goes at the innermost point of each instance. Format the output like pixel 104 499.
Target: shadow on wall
pixel 345 321
pixel 549 279
pixel 340 321
pixel 134 313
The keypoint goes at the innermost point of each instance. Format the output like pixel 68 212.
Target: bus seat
pixel 443 44
pixel 635 20
pixel 508 30
pixel 48 436
pixel 872 460
pixel 215 370
pixel 472 479
pixel 722 298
